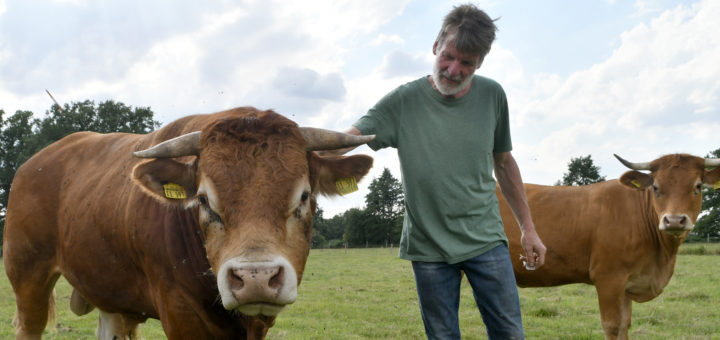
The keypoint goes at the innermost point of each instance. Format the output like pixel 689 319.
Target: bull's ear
pixel 636 180
pixel 325 172
pixel 167 180
pixel 712 177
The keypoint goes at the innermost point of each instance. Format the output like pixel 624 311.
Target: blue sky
pixel 637 78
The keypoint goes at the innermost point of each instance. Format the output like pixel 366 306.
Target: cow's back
pixel 574 222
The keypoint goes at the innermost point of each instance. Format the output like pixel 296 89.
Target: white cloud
pixel 656 94
pixel 388 39
pixel 399 63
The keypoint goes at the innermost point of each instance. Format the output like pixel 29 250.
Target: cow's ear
pixel 712 177
pixel 167 180
pixel 327 172
pixel 636 180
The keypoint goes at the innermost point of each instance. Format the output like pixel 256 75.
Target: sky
pixel 637 78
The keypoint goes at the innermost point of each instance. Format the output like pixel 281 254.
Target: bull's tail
pixel 52 311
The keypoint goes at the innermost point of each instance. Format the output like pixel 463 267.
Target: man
pixel 451 131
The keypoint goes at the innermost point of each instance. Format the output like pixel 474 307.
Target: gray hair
pixel 473 29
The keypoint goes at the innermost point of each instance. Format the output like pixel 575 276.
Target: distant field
pixel 370 294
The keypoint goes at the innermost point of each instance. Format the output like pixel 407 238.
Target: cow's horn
pixel 634 166
pixel 185 145
pixel 712 162
pixel 320 139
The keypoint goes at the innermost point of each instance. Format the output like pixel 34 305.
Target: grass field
pixel 370 294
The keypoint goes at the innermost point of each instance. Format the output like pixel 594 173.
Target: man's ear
pixel 636 180
pixel 167 180
pixel 712 177
pixel 326 172
pixel 435 45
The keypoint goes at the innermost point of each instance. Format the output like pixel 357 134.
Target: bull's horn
pixel 320 139
pixel 185 145
pixel 712 162
pixel 634 166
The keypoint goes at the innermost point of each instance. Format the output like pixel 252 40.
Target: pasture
pixel 370 294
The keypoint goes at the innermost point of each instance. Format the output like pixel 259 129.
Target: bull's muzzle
pixel 675 223
pixel 257 287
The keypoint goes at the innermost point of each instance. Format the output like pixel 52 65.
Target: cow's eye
pixel 304 197
pixel 656 189
pixel 203 199
pixel 698 187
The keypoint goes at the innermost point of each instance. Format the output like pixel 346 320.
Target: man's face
pixel 453 70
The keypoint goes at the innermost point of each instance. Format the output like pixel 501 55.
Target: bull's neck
pixel 666 244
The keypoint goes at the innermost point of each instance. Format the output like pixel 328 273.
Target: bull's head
pixel 677 182
pixel 254 183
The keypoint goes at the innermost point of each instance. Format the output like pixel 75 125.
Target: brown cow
pixel 210 235
pixel 620 235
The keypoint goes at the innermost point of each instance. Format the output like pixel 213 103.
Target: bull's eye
pixel 304 197
pixel 202 199
pixel 656 189
pixel 698 188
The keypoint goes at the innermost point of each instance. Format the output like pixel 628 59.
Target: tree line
pixel 379 223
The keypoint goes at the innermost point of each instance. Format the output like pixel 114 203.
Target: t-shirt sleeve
pixel 382 121
pixel 503 142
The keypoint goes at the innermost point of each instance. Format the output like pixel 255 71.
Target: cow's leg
pixel 615 309
pixel 115 326
pixel 35 300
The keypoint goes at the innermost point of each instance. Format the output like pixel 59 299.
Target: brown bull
pixel 210 234
pixel 620 235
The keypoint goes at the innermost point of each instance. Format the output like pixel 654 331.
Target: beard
pixel 449 89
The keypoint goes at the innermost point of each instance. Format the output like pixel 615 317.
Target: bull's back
pixel 62 180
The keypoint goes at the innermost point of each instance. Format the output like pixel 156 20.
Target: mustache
pixel 446 74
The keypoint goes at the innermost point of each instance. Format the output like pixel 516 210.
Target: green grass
pixel 370 294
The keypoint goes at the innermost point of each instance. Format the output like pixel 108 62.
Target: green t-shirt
pixel 445 147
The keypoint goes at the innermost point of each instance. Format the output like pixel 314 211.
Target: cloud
pixel 388 39
pixel 648 98
pixel 399 63
pixel 307 83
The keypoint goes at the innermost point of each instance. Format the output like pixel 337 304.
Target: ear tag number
pixel 346 185
pixel 636 183
pixel 174 191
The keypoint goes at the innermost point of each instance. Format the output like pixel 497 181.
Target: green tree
pixel 708 225
pixel 319 226
pixel 359 227
pixel 385 202
pixel 581 171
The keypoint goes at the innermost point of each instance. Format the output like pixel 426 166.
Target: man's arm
pixel 339 152
pixel 511 185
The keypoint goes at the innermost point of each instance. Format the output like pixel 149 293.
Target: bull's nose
pixel 257 287
pixel 675 223
pixel 250 283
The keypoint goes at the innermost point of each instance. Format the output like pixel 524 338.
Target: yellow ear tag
pixel 174 191
pixel 346 185
pixel 636 184
pixel 716 186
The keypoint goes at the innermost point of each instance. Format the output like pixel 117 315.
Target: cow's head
pixel 677 181
pixel 254 183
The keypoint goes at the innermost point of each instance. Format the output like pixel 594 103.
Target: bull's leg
pixel 114 326
pixel 35 301
pixel 615 310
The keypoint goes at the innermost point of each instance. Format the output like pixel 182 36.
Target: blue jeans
pixel 493 284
